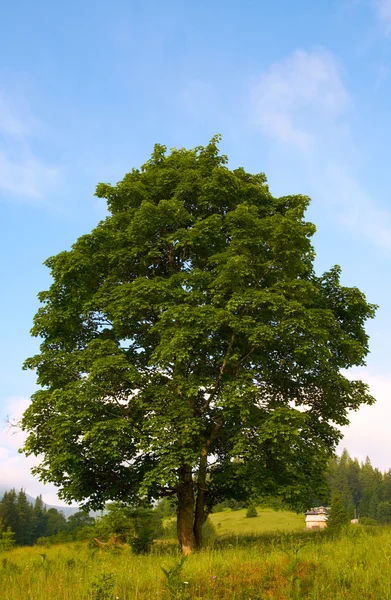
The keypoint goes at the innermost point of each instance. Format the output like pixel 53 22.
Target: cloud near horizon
pixel 15 468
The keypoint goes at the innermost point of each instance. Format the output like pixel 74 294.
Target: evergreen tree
pixel 384 512
pixel 56 522
pixel 24 531
pixel 8 510
pixel 338 516
pixel 7 537
pixel 39 519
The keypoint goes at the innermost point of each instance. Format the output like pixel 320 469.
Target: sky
pixel 299 90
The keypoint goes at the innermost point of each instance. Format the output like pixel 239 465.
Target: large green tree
pixel 188 347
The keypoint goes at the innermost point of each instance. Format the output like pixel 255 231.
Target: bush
pixel 367 521
pixel 251 512
pixel 7 539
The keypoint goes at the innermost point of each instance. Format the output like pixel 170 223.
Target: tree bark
pixel 199 513
pixel 185 510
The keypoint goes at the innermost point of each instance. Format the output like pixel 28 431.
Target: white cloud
pixel 383 8
pixel 22 172
pixel 296 92
pixel 15 468
pixel 301 102
pixel 369 431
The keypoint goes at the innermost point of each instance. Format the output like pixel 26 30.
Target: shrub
pixel 7 539
pixel 367 521
pixel 251 512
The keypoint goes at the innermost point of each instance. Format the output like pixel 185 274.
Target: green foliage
pixel 251 512
pixel 190 322
pixel 365 491
pixel 137 525
pixel 368 521
pixel 338 516
pixel 7 538
pixel 166 508
pixel 175 585
pixel 384 512
pixel 102 587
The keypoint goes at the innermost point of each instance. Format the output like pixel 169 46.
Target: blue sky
pixel 299 90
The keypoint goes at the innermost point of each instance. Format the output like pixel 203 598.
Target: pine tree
pixel 24 532
pixel 8 510
pixel 39 519
pixel 7 537
pixel 56 522
pixel 338 516
pixel 384 512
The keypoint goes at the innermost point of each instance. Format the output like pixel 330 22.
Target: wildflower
pixel 185 582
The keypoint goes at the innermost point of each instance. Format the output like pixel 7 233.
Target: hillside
pixel 235 522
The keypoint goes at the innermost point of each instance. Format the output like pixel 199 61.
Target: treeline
pixel 364 490
pixel 23 524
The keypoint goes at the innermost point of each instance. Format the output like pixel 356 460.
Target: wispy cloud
pixel 383 9
pixel 296 92
pixel 22 171
pixel 301 102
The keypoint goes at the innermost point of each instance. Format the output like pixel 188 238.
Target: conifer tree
pixel 338 516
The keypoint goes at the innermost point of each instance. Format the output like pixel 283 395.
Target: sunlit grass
pixel 280 565
pixel 267 520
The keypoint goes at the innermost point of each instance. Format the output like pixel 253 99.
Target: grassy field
pixel 235 522
pixel 281 566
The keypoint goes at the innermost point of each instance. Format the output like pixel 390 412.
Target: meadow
pixel 250 559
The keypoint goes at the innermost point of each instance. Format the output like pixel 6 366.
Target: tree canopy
pixel 189 349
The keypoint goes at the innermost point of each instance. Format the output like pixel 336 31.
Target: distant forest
pixel 23 524
pixel 364 490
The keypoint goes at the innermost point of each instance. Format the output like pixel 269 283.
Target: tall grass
pixel 355 565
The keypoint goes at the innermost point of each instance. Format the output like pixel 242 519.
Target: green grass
pixel 279 566
pixel 235 522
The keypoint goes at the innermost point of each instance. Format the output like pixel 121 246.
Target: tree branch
pixel 221 374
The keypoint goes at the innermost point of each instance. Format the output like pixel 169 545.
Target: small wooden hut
pixel 316 518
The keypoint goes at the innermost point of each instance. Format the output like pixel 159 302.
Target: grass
pixel 235 522
pixel 279 566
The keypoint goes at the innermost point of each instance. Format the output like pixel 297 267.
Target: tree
pixel 189 350
pixel 40 518
pixel 7 538
pixel 384 512
pixel 138 525
pixel 8 511
pixel 79 520
pixel 338 516
pixel 55 523
pixel 24 531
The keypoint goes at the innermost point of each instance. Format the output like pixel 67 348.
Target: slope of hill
pixel 228 521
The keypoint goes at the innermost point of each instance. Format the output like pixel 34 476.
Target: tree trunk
pixel 199 514
pixel 185 511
